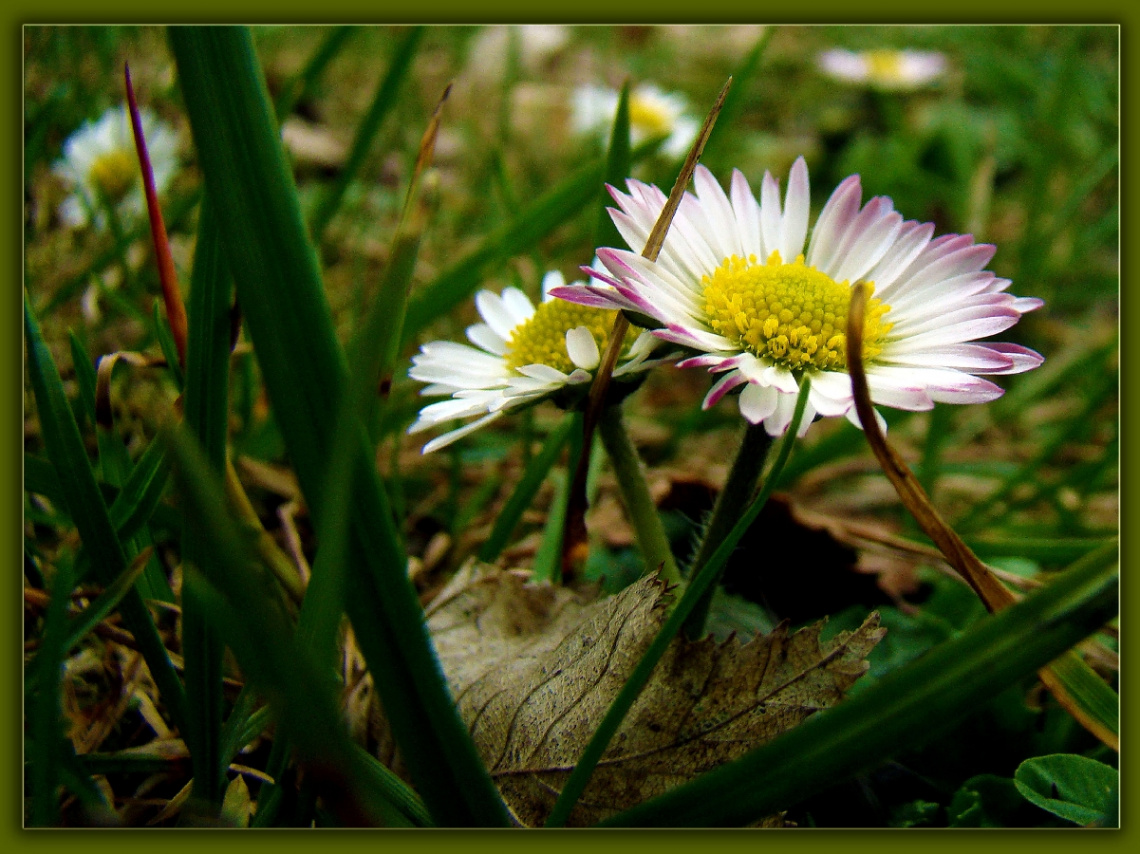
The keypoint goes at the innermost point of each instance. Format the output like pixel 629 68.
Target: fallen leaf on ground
pixel 534 668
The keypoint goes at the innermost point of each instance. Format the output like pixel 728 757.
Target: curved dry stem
pixel 575 547
pixel 994 595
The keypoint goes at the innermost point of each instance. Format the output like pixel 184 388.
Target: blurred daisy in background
pixel 740 285
pixel 535 44
pixel 100 167
pixel 652 113
pixel 522 355
pixel 898 70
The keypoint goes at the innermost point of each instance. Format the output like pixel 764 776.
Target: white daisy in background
pixel 100 165
pixel 652 113
pixel 523 355
pixel 885 69
pixel 738 281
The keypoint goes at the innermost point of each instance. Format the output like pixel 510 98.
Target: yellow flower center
pixel 649 117
pixel 542 339
pixel 114 173
pixel 790 314
pixel 885 66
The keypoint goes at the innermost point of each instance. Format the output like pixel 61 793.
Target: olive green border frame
pixel 23 12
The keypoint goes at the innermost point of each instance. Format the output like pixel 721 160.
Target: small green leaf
pixel 1073 787
pixel 916 814
pixel 985 801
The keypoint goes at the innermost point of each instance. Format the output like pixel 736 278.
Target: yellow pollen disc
pixel 542 339
pixel 789 314
pixel 114 173
pixel 649 117
pixel 884 65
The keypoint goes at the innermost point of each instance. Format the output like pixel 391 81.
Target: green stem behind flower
pixel 635 495
pixel 738 491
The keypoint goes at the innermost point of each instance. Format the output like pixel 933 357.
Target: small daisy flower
pixel 100 166
pixel 652 113
pixel 522 355
pixel 885 69
pixel 738 281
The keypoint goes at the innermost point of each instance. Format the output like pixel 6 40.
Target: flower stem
pixel 738 491
pixel 635 494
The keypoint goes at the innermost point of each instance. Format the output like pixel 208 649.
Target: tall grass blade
pixel 46 721
pixel 296 87
pixel 89 512
pixel 279 286
pixel 695 591
pixel 903 709
pixel 735 102
pixel 382 104
pixel 618 168
pixel 238 595
pixel 206 404
pixel 107 601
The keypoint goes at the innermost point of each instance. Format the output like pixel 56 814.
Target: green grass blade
pixel 533 476
pixel 89 512
pixel 132 507
pixel 206 402
pixel 46 723
pixel 239 596
pixel 618 168
pixel 279 285
pixel 300 83
pixel 84 377
pixel 1051 550
pixel 139 497
pixel 535 221
pixel 1097 391
pixel 1093 697
pixel 381 779
pixel 107 601
pixel 547 565
pixel 167 345
pixel 715 154
pixel 695 591
pixel 382 104
pixel 902 709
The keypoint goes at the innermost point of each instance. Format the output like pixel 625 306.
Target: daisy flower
pixel 522 355
pixel 885 69
pixel 100 166
pixel 739 282
pixel 652 113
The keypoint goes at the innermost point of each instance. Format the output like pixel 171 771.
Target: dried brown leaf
pixel 534 669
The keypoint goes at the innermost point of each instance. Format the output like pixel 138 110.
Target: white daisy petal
pixel 582 347
pixel 757 402
pixel 542 373
pixel 550 281
pixel 484 336
pixel 747 211
pixel 771 216
pixel 853 417
pixel 517 303
pixel 491 309
pixel 447 438
pixel 837 215
pixel 796 209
